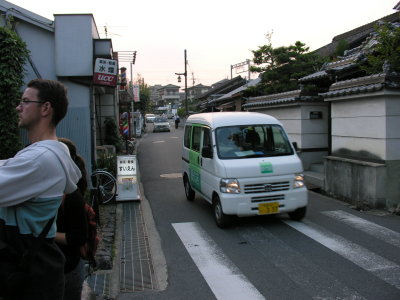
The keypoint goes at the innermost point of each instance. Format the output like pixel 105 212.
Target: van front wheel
pixel 298 214
pixel 221 219
pixel 188 189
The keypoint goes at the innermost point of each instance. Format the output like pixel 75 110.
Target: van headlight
pixel 298 181
pixel 229 185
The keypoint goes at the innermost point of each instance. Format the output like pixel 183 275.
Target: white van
pixel 243 164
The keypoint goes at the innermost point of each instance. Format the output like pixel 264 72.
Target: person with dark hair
pixel 72 229
pixel 32 185
pixel 53 92
pixel 79 161
pixel 252 137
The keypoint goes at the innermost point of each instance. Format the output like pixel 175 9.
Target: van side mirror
pixel 295 146
pixel 207 152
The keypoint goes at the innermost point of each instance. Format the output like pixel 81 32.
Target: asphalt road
pixel 336 252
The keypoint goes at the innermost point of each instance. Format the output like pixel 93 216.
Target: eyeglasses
pixel 23 102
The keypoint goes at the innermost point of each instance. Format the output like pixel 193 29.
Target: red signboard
pixel 105 72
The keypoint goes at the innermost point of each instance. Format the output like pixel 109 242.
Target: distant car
pixel 149 118
pixel 161 124
pixel 170 115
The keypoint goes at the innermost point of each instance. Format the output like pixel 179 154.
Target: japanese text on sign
pixel 106 66
pixel 105 72
pixel 126 165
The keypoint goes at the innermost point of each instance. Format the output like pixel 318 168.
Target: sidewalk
pixel 125 225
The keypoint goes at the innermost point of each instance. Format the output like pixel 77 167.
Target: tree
pixel 144 94
pixel 386 53
pixel 281 67
pixel 13 55
pixel 342 46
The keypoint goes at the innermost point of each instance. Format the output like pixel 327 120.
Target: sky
pixel 215 33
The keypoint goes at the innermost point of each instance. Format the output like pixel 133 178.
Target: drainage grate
pixel 100 283
pixel 136 269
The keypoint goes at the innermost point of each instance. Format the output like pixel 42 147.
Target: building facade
pixel 65 49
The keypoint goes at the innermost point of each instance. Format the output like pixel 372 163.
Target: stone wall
pixel 357 182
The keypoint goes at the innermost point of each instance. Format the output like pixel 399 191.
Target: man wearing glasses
pixel 32 185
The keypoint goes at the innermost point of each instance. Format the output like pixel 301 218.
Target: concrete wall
pixel 311 135
pixel 364 168
pixel 366 126
pixel 40 43
pixel 76 124
pixel 74 36
pixel 357 182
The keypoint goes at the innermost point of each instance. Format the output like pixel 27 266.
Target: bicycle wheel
pixel 105 185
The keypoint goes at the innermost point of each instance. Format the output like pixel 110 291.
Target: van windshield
pixel 248 141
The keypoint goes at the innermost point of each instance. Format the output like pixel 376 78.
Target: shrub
pixel 13 54
pixel 112 135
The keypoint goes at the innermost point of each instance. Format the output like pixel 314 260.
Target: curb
pixel 157 255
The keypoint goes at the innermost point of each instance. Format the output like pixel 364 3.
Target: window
pixel 196 138
pixel 186 139
pixel 207 138
pixel 247 141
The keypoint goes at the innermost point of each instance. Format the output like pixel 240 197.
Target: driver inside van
pixel 228 142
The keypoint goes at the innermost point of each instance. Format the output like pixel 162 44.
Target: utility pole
pixel 179 80
pixel 186 93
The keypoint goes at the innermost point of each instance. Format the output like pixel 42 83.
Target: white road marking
pixel 299 269
pixel 171 175
pixel 377 265
pixel 157 142
pixel 223 277
pixel 375 230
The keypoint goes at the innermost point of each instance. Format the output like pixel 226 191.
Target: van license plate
pixel 268 208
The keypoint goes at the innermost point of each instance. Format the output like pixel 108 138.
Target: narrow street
pixel 336 252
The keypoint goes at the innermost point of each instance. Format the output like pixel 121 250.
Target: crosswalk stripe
pixel 223 277
pixel 295 265
pixel 377 265
pixel 370 228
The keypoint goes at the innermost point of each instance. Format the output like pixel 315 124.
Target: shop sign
pixel 105 72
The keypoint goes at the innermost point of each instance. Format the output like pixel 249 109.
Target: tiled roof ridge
pixel 366 84
pixel 362 81
pixel 289 94
pixel 362 89
pixel 282 101
pixel 389 18
pixel 344 61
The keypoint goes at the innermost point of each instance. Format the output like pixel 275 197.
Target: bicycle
pixel 104 189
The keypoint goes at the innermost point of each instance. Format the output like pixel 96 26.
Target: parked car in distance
pixel 170 115
pixel 149 118
pixel 161 124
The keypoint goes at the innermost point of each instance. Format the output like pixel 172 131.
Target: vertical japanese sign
pixel 136 97
pixel 105 72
